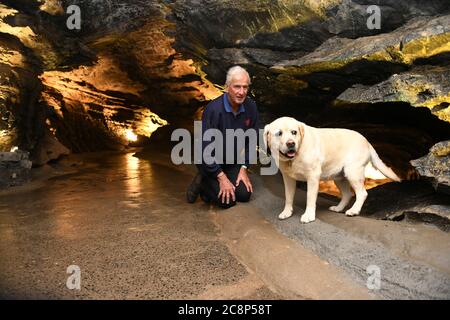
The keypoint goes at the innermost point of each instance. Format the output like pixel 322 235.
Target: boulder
pixel 436 166
pixel 411 201
pixel 15 168
pixel 422 86
pixel 48 149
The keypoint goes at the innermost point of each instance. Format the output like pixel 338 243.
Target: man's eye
pixel 294 132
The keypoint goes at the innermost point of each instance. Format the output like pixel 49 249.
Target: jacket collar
pixel 228 106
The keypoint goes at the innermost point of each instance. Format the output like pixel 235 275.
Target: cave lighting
pixel 152 127
pixel 154 123
pixel 374 178
pixel 3 137
pixel 130 135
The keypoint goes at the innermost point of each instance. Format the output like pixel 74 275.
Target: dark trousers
pixel 210 187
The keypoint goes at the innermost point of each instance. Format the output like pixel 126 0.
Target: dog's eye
pixel 279 133
pixel 294 132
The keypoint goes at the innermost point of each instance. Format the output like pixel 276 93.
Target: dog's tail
pixel 379 165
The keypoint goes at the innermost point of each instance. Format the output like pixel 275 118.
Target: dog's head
pixel 284 137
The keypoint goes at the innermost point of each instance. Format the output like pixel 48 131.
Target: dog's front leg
pixel 289 190
pixel 311 198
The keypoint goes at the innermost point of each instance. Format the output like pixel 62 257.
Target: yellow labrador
pixel 311 154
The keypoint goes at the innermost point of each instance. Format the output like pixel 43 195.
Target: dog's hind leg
pixel 346 194
pixel 356 179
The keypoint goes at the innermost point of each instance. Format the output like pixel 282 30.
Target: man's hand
pixel 226 188
pixel 243 176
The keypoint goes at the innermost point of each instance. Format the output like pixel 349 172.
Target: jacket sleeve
pixel 210 120
pixel 248 151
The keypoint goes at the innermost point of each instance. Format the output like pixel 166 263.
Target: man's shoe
pixel 194 189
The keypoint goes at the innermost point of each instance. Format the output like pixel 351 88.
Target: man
pixel 227 183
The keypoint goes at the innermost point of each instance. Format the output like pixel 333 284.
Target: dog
pixel 310 154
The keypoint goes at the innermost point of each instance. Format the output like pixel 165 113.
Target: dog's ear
pixel 301 129
pixel 267 136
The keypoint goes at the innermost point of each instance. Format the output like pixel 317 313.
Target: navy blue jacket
pixel 218 114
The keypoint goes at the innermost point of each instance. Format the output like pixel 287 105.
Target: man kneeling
pixel 225 184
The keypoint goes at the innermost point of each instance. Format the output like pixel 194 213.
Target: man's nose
pixel 290 144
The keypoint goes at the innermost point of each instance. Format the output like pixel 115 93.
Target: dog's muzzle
pixel 290 153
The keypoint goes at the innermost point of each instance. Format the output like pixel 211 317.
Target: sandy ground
pixel 124 221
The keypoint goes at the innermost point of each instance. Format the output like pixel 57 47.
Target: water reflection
pixel 132 176
pixel 66 202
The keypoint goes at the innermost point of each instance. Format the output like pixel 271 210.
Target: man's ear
pixel 267 136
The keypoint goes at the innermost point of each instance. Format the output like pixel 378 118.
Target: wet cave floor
pixel 123 221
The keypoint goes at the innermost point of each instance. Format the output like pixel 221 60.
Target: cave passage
pixel 87 114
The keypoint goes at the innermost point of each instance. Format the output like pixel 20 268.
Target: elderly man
pixel 221 183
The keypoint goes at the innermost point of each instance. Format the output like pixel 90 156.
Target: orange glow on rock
pixel 130 135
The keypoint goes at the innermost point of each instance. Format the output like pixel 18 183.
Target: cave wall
pixel 89 88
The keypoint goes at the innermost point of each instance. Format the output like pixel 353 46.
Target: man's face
pixel 237 89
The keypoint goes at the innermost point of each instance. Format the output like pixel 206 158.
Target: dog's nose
pixel 290 144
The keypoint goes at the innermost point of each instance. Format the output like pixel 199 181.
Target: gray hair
pixel 233 71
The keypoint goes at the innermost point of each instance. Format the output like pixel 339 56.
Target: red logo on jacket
pixel 247 122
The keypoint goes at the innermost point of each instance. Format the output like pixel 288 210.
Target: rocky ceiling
pixel 137 65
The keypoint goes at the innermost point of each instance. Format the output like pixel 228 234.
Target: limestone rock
pixel 420 38
pixel 436 166
pixel 48 148
pixel 412 201
pixel 288 25
pixel 15 168
pixel 422 86
pixel 19 90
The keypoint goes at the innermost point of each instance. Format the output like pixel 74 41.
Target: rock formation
pixel 422 86
pixel 436 166
pixel 15 168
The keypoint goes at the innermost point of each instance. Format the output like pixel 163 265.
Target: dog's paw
pixel 351 213
pixel 285 214
pixel 335 209
pixel 307 217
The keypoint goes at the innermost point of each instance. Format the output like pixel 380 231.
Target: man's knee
pixel 225 205
pixel 242 195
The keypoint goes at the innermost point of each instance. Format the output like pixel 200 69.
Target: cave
pixel 134 71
